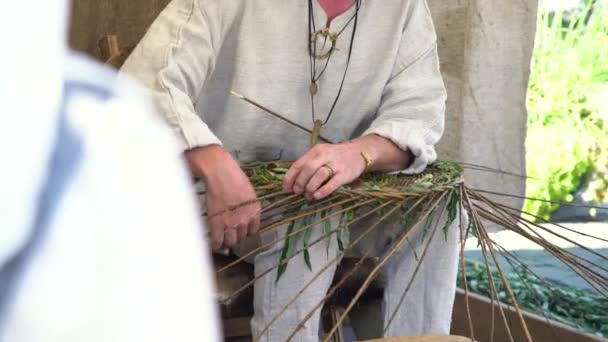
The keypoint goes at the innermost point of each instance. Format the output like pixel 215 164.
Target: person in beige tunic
pixel 379 93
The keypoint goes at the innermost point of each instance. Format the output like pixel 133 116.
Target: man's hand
pixel 325 168
pixel 226 186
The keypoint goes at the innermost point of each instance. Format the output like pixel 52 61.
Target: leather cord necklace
pixel 314 36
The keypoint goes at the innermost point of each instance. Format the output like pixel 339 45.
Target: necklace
pixel 326 34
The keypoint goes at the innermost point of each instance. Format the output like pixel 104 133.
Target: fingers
pixel 231 236
pixel 229 195
pixel 249 222
pixel 242 231
pixel 322 175
pixel 216 233
pixel 293 172
pixel 306 174
pixel 332 185
pixel 304 168
pixel 254 225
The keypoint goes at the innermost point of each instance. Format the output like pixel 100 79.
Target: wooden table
pixel 425 338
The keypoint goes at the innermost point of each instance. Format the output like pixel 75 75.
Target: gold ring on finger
pixel 329 170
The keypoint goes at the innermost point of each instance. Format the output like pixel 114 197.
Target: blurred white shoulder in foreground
pixel 106 244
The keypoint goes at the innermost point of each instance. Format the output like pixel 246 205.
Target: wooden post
pixel 109 47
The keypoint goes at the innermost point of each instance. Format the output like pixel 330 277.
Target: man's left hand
pixel 325 168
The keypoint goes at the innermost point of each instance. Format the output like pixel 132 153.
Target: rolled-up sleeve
pixel 172 61
pixel 412 110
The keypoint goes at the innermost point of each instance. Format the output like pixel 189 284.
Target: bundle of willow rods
pixel 413 200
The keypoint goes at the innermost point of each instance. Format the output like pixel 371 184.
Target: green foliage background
pixel 580 309
pixel 568 108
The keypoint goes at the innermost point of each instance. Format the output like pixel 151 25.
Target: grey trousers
pixel 280 306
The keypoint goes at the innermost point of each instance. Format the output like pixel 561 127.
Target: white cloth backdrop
pixel 485 50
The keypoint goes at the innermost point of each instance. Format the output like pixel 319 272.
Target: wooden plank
pixel 237 327
pixel 93 19
pixel 481 311
pixel 425 338
pixel 335 313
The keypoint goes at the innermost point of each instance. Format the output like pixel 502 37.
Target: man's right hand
pixel 226 186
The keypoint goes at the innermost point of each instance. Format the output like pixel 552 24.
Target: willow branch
pixel 367 253
pixel 298 231
pixel 373 274
pixel 324 268
pixel 494 293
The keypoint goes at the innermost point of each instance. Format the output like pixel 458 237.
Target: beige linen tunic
pixel 198 50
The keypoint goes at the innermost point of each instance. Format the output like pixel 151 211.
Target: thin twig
pixel 502 172
pixel 540 200
pixel 366 254
pixel 286 208
pixel 300 230
pixel 374 273
pixel 551 223
pixel 463 241
pixel 584 272
pixel 479 227
pixel 589 276
pixel 277 115
pixel 313 243
pixel 510 257
pixel 507 287
pixel 416 270
pixel 305 214
pixel 243 204
pixel 324 268
pixel 556 251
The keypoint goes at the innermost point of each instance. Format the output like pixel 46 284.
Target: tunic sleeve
pixel 412 110
pixel 172 61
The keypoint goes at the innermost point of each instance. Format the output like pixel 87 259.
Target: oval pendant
pixel 313 88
